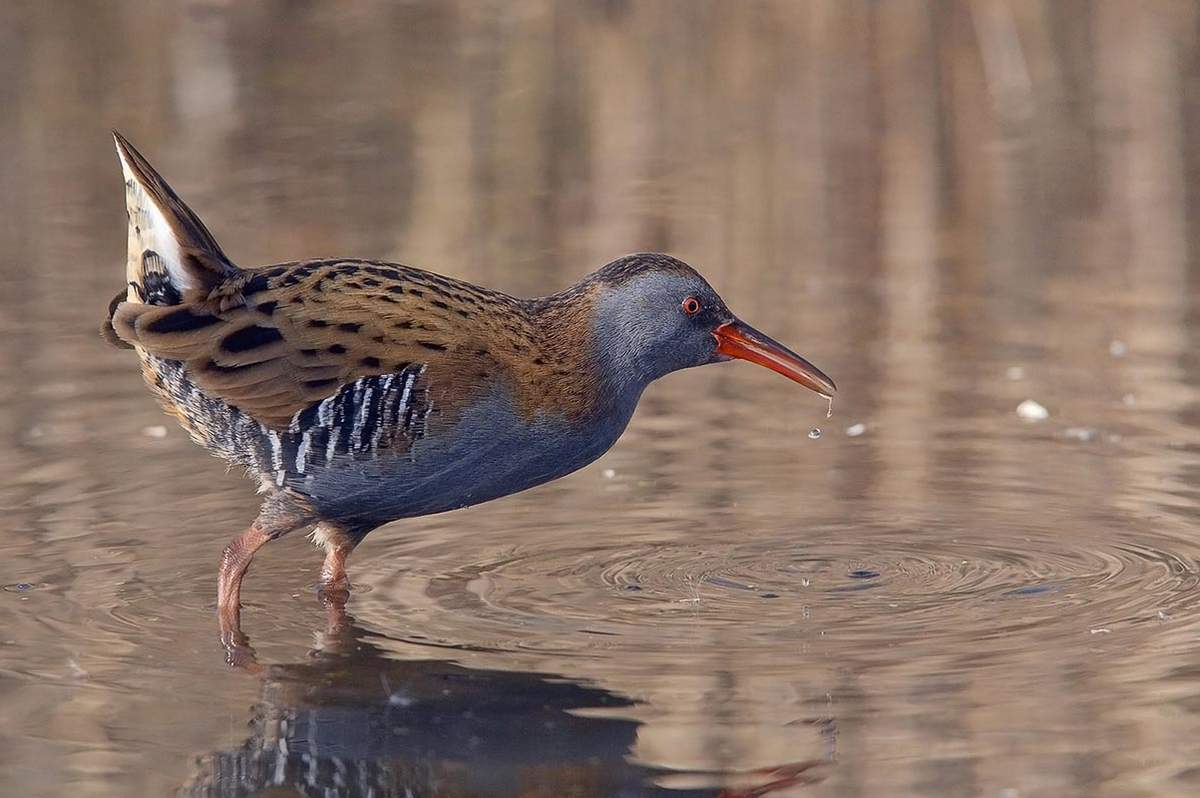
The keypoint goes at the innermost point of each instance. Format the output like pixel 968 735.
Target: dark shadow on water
pixel 350 720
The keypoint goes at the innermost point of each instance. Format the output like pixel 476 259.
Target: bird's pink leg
pixel 235 561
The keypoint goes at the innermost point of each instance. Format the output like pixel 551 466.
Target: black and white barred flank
pixel 365 416
pixel 358 420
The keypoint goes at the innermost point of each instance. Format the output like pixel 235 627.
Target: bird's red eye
pixel 691 306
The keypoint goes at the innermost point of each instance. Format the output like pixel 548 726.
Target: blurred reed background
pixel 921 195
pixel 872 157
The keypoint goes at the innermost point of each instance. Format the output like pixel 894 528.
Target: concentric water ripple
pixel 871 585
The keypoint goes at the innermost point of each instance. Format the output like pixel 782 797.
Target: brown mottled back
pixel 274 341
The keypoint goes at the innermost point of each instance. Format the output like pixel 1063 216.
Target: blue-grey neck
pixel 624 370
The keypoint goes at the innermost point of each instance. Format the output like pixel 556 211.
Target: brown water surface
pixel 950 208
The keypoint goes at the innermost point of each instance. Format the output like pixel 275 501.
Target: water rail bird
pixel 359 392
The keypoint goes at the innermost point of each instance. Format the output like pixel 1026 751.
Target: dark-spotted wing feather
pixel 279 342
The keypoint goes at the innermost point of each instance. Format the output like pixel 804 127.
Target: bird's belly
pixel 492 451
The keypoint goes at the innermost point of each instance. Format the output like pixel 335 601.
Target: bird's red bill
pixel 739 340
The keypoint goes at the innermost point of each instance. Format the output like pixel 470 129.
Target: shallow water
pixel 936 596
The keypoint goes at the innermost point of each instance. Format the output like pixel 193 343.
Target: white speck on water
pixel 156 431
pixel 1030 410
pixel 1162 615
pixel 805 581
pixel 1129 400
pixel 854 430
pixel 1083 434
pixel 1015 373
pixel 814 433
pixel 1101 631
pixel 1117 348
pixel 608 473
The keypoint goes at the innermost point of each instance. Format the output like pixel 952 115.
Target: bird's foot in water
pixel 241 655
pixel 238 651
pixel 333 596
pixel 334 592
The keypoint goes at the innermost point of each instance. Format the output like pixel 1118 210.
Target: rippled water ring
pixel 845 583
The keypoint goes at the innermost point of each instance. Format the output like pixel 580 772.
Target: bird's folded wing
pixel 274 342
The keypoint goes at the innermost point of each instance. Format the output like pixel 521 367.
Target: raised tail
pixel 172 256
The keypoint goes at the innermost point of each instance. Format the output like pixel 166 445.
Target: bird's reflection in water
pixel 352 721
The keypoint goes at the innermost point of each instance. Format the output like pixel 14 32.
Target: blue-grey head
pixel 654 314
